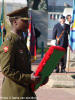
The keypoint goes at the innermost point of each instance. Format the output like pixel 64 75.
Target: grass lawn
pixel 39 50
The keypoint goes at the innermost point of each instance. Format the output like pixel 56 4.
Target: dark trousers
pixel 62 62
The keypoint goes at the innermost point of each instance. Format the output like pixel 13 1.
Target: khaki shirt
pixel 15 65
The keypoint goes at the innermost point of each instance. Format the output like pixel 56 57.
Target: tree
pixel 43 5
pixel 38 4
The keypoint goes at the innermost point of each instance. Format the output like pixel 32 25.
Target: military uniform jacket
pixel 16 68
pixel 57 30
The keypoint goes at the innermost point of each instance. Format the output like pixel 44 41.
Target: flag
pixel 31 40
pixel 1 23
pixel 29 33
pixel 33 43
pixel 48 64
pixel 72 30
pixel 2 11
pixel 1 32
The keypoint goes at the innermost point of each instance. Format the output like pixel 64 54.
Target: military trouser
pixel 62 63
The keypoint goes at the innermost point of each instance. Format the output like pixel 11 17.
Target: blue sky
pixel 59 2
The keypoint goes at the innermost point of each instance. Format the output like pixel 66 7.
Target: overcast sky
pixel 59 2
pixel 16 1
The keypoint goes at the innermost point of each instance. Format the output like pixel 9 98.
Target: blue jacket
pixel 57 30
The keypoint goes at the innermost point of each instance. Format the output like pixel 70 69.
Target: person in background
pixel 60 33
pixel 69 19
pixel 68 22
pixel 37 35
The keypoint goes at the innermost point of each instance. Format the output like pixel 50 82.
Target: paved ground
pixel 56 94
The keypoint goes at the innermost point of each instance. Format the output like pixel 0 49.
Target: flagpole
pixel 68 58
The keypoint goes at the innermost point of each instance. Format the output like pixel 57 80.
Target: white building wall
pixel 67 11
pixel 60 2
pixel 11 5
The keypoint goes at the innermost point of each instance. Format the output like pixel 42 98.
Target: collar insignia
pixel 5 49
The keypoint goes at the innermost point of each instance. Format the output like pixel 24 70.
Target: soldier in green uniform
pixel 15 60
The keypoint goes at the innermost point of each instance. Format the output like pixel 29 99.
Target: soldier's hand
pixel 35 79
pixel 58 40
